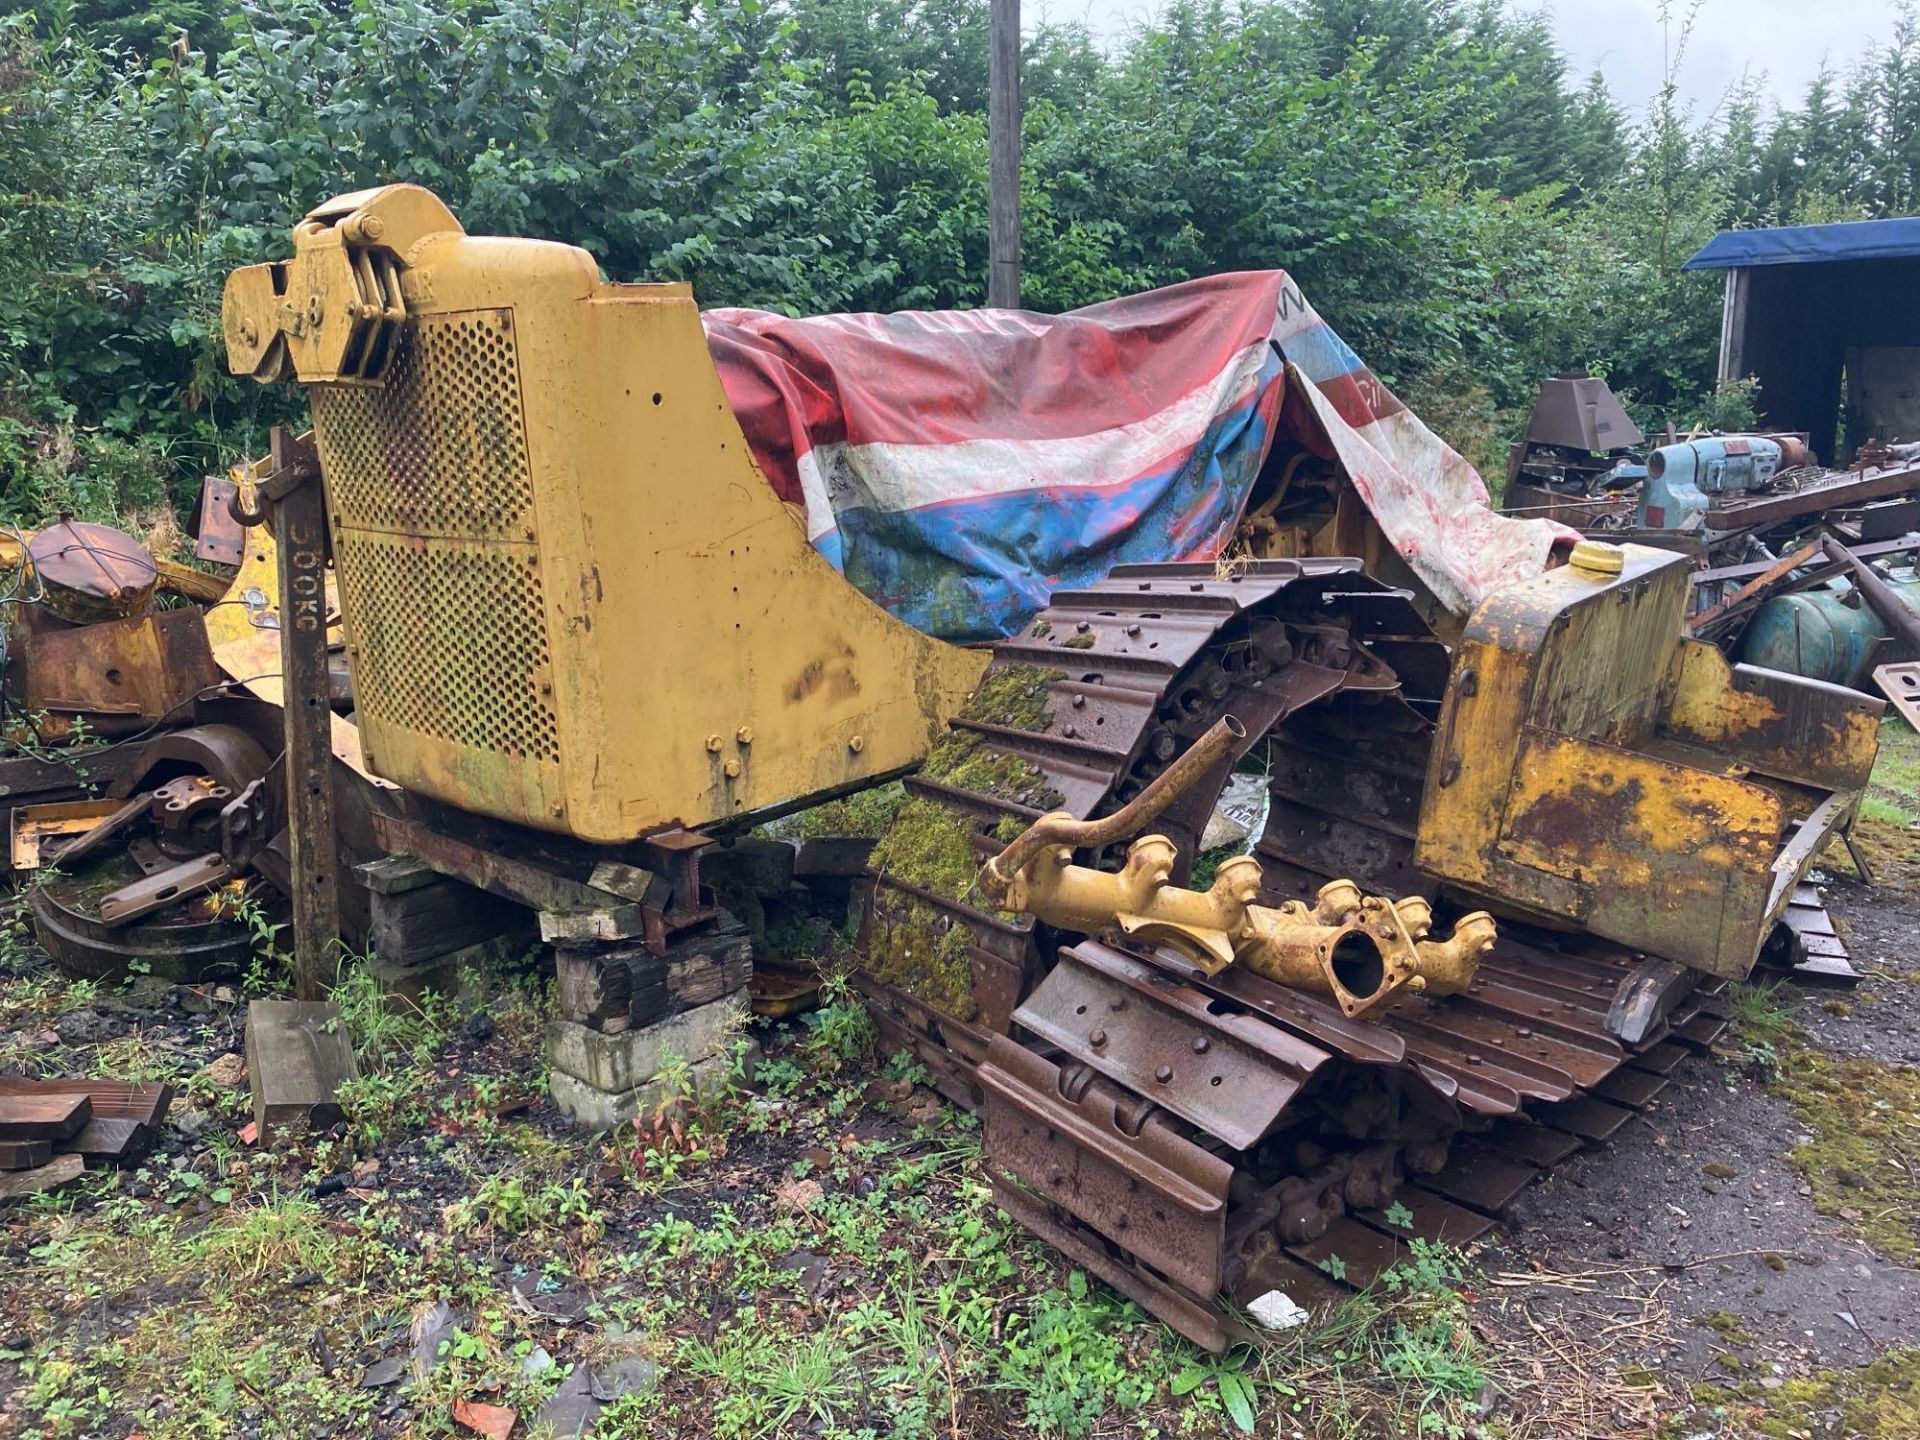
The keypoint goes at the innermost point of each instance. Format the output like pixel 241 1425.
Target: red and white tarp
pixel 960 466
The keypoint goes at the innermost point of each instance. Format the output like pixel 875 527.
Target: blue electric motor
pixel 1680 478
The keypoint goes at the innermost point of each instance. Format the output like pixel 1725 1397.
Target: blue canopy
pixel 1804 244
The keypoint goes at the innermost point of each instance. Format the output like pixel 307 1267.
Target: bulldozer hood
pixel 960 466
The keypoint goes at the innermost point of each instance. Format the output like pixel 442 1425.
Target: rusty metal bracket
pixel 161 889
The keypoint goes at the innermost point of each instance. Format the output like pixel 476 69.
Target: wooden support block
pixel 423 922
pixel 24 1154
pixel 107 1142
pixel 610 987
pixel 395 875
pixel 112 1099
pixel 298 1056
pixel 43 1117
pixel 61 1170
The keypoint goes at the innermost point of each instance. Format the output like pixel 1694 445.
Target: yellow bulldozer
pixel 1506 854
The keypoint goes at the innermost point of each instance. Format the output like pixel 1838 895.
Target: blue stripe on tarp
pixel 1809 244
pixel 971 570
pixel 1321 354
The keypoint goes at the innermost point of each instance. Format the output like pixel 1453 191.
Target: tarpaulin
pixel 959 466
pixel 1804 244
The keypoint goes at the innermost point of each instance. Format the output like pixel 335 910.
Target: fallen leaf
pixel 493 1421
pixel 792 1194
pixel 366 1169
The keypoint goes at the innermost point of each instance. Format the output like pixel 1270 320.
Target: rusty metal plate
pixel 1355 1254
pixel 144 669
pixel 1586 1117
pixel 1434 1218
pixel 1200 1322
pixel 35 824
pixel 1155 1193
pixel 1531 1144
pixel 217 536
pixel 1660 1059
pixel 1901 685
pixel 1228 1073
pixel 1630 1087
pixel 1480 1179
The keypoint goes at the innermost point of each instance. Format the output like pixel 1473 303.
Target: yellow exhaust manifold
pixel 1363 950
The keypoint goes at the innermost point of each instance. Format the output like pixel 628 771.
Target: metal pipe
pixel 1892 611
pixel 1129 819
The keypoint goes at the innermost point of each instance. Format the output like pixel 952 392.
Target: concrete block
pixel 615 1063
pixel 598 1109
pixel 298 1056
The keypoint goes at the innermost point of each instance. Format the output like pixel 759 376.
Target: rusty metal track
pixel 1187 1136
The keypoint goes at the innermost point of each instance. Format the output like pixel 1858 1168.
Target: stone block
pixel 616 1063
pixel 587 1104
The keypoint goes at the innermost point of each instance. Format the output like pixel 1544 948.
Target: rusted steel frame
pixel 1161 792
pixel 299 523
pixel 1872 550
pixel 1779 570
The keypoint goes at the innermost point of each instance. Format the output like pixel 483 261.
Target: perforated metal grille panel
pixel 428 480
pixel 439 448
pixel 450 642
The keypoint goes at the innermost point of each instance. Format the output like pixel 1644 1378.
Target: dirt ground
pixel 817 1254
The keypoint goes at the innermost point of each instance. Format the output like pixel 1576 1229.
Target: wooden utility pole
pixel 1003 156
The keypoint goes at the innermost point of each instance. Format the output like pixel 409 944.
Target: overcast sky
pixel 1780 40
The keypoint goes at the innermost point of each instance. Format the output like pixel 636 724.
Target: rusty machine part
pixel 117 675
pixel 1189 1130
pixel 191 816
pixel 90 573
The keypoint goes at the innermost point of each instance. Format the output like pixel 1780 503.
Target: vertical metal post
pixel 299 522
pixel 1003 156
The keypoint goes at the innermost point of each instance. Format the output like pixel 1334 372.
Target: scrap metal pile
pixel 1519 825
pixel 1778 540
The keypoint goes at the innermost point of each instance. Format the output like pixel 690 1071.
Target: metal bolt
pixel 1201 1045
pixel 314 311
pixel 1079 702
pixel 732 767
pixel 744 735
pixel 714 743
pixel 1118 1002
pixel 1096 1037
pixel 546 687
pixel 1524 1033
pixel 1083 627
pixel 1163 1074
pixel 856 744
pixel 248 333
pixel 1475 1060
pixel 1133 631
pixel 556 809
pixel 372 227
pixel 1070 732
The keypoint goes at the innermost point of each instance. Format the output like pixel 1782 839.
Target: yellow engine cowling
pixel 1593 766
pixel 571 600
